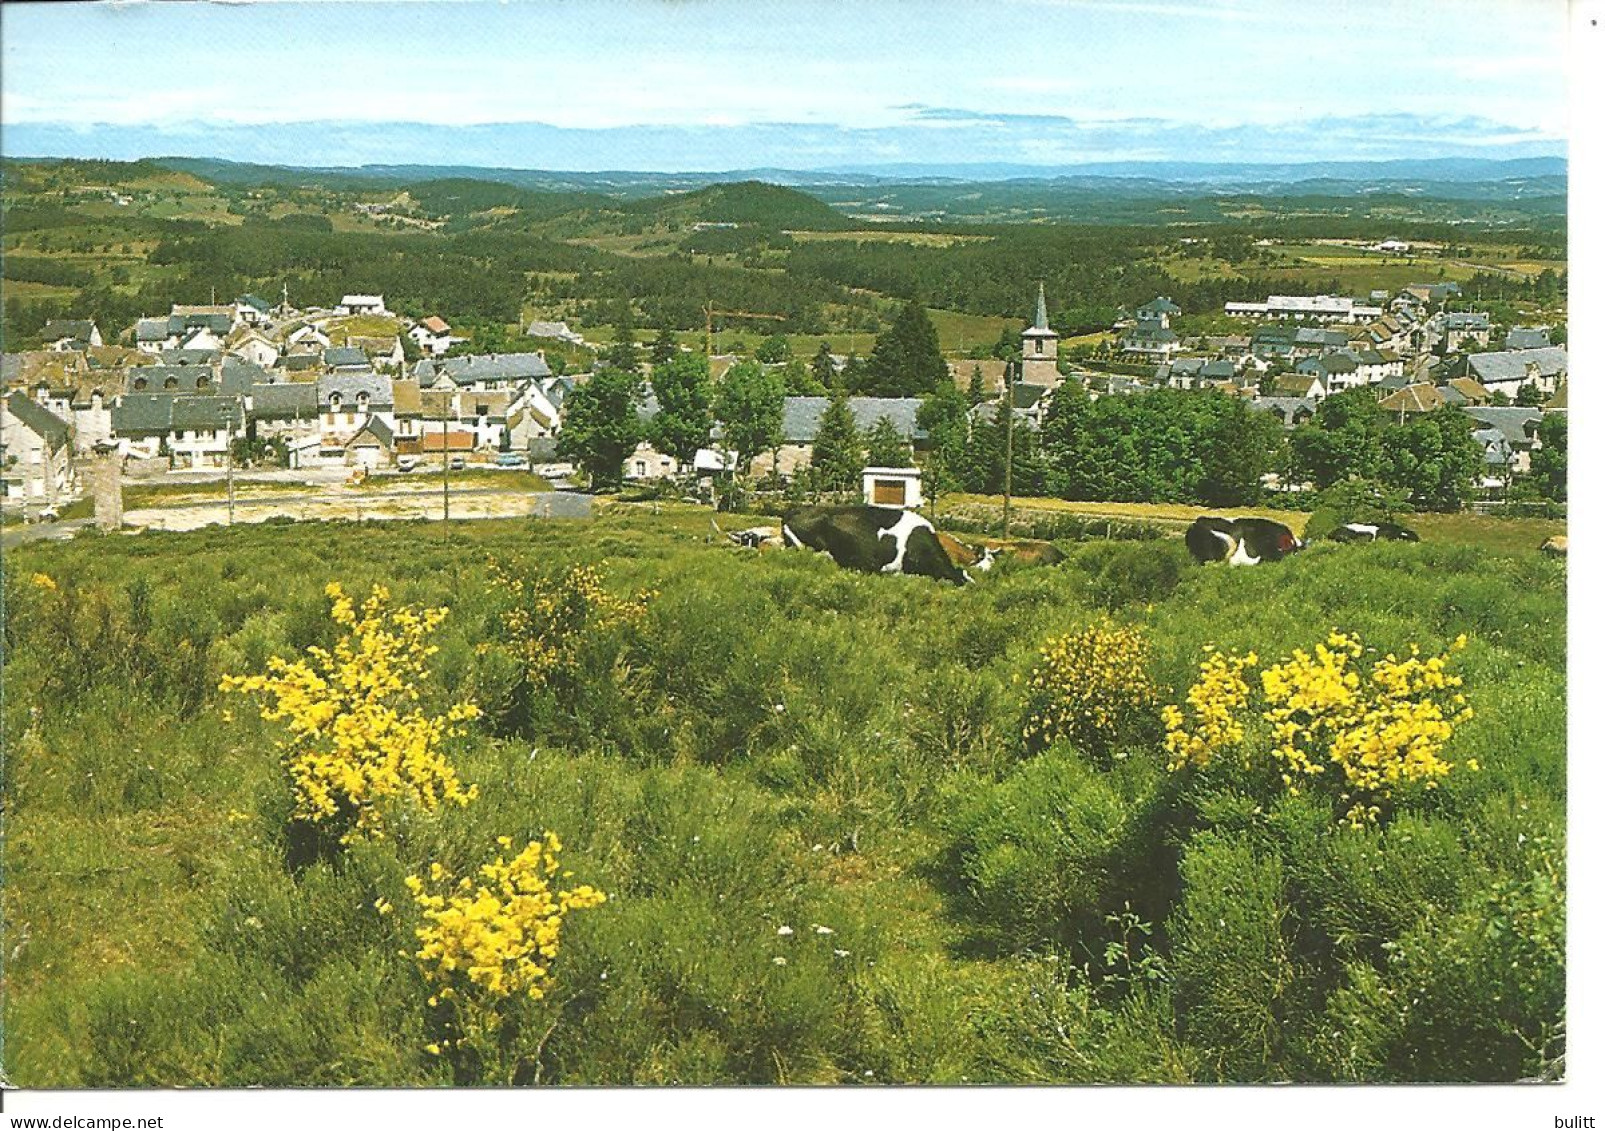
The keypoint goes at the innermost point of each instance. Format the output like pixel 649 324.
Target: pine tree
pixel 977 390
pixel 887 447
pixel 824 367
pixel 907 359
pixel 664 347
pixel 623 354
pixel 838 456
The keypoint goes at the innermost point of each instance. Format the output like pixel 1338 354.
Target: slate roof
pixel 152 330
pixel 484 368
pixel 291 401
pixel 190 357
pixel 351 385
pixel 1288 409
pixel 56 329
pixel 1462 320
pixel 172 379
pixel 800 416
pixel 1511 365
pixel 376 427
pixel 1155 307
pixel 1527 338
pixel 154 414
pixel 255 302
pixel 1518 423
pixel 345 357
pixel 39 420
pixel 1496 448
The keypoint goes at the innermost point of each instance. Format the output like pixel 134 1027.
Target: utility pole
pixel 1007 403
pixel 228 457
pixel 445 468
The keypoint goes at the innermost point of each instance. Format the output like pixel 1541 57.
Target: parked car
pixel 510 459
pixel 406 463
pixel 458 463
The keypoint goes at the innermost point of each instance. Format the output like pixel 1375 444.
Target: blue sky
pixel 1035 81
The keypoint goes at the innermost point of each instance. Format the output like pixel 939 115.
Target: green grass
pixel 778 744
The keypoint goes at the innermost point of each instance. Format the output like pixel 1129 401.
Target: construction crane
pixel 711 313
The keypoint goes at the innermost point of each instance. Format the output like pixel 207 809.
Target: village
pixel 324 397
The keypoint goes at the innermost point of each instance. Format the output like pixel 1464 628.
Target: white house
pixel 432 336
pixel 893 487
pixel 362 304
pixel 35 451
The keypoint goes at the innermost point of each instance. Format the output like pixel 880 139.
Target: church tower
pixel 1039 349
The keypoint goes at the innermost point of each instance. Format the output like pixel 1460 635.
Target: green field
pixel 829 853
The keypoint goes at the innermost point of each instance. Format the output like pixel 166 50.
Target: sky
pixel 821 83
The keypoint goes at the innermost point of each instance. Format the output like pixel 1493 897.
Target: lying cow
pixel 1373 532
pixel 873 540
pixel 1240 541
pixel 1554 547
pixel 754 537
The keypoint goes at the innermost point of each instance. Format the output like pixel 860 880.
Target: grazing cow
pixel 1554 547
pixel 1240 541
pixel 1032 553
pixel 873 540
pixel 1373 532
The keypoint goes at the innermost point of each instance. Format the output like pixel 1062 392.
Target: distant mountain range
pixel 932 143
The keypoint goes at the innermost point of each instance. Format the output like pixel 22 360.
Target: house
pixel 252 310
pixel 255 347
pixel 1506 371
pixel 1298 386
pixel 1527 338
pixel 1151 339
pixel 1462 327
pixel 482 371
pixel 557 330
pixel 1518 428
pixel 362 304
pixel 287 411
pixel 1336 371
pixel 1291 411
pixel 1181 373
pixel 345 358
pixel 1412 400
pixel 61 335
pixel 347 399
pixel 1463 391
pixel 373 446
pixel 1158 310
pixel 799 424
pixel 1312 308
pixel 35 452
pixel 187 327
pixel 193 431
pixel 432 336
pixel 1498 459
pixel 1372 365
pixel 382 352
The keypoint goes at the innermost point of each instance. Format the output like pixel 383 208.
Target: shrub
pixel 486 947
pixel 1121 574
pixel 1089 687
pixel 358 742
pixel 1385 731
pixel 1230 960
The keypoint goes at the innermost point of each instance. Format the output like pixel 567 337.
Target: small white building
pixel 893 487
pixel 362 304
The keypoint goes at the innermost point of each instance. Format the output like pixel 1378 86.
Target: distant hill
pixel 748 203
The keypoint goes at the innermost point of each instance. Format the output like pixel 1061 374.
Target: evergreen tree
pixel 685 399
pixel 838 455
pixel 887 447
pixel 750 403
pixel 907 359
pixel 664 347
pixel 823 367
pixel 600 427
pixel 944 417
pixel 977 390
pixel 623 354
pixel 800 380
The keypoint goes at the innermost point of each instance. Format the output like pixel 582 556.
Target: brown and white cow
pixel 1240 541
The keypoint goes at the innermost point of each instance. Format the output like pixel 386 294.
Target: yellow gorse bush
pixel 358 740
pixel 550 618
pixel 1365 733
pixel 496 935
pixel 1217 701
pixel 1087 685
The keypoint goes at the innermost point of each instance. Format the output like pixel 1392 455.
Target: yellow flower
pixel 44 581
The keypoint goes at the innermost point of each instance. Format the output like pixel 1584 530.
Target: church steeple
pixel 1039 348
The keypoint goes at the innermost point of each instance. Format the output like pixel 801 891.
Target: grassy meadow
pixel 830 851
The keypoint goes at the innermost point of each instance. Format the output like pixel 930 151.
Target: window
pixel 170 383
pixel 140 383
pixel 1039 345
pixel 640 467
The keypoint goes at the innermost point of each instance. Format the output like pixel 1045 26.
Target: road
pixel 405 503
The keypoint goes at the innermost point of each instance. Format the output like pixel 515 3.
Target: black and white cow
pixel 873 540
pixel 1240 541
pixel 1373 532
